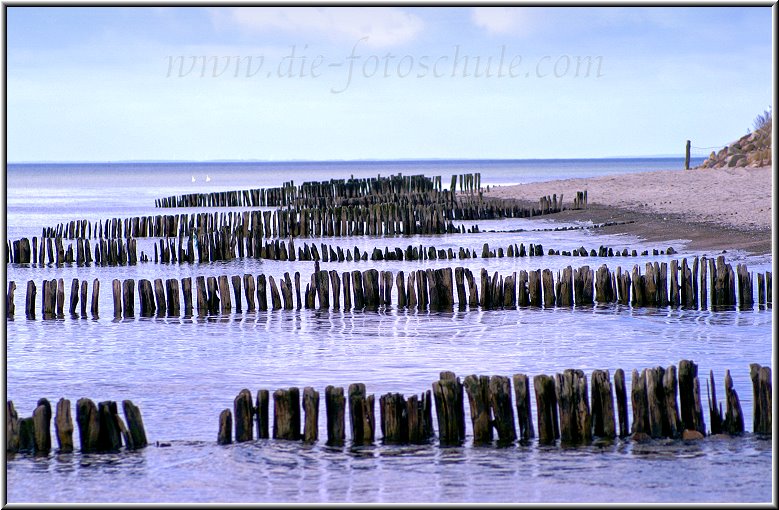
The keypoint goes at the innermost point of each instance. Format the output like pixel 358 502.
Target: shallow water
pixel 182 371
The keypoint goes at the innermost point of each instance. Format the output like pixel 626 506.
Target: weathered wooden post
pixel 638 398
pixel 500 402
pixel 109 437
pixel 9 300
pixel 602 405
pixel 761 391
pixel 572 399
pixel 117 288
pixel 655 395
pixel 88 424
pixel 311 410
pixel 63 424
pixel 690 397
pixel 128 297
pixel 361 414
pixel 546 406
pixel 225 435
pixel 336 410
pixel 734 418
pixel 478 390
pixel 29 306
pixel 263 424
pixel 95 298
pixel 674 426
pixel 83 292
pixel 393 417
pixel 622 402
pixel 134 424
pixel 522 401
pixel 286 414
pixel 11 428
pixel 242 409
pixel 41 420
pixel 448 394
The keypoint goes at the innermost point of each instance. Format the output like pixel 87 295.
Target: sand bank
pixel 727 208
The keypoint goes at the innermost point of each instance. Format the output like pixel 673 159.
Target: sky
pixel 350 83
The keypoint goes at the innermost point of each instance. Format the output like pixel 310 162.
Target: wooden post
pixel 622 402
pixel 12 438
pixel 95 298
pixel 263 425
pixel 393 412
pixel 29 306
pixel 361 414
pixel 117 288
pixel 546 407
pixel 689 397
pixel 134 424
pixel 109 438
pixel 9 300
pixel 715 412
pixel 41 420
pixel 128 297
pixel 88 424
pixel 242 409
pixel 734 418
pixel 602 405
pixel 638 398
pixel 448 394
pixel 286 414
pixel 671 409
pixel 575 418
pixel 225 435
pixel 500 402
pixel 311 409
pixel 522 401
pixel 655 395
pixel 336 410
pixel 63 424
pixel 478 390
pixel 761 398
pixel 687 156
pixel 83 292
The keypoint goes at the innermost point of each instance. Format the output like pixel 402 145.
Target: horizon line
pixel 356 160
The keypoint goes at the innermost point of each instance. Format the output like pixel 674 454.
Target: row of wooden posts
pixel 101 429
pixel 222 245
pixel 390 218
pixel 107 252
pixel 565 409
pixel 422 289
pixel 334 190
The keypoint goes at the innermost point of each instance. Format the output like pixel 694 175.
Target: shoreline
pixel 715 209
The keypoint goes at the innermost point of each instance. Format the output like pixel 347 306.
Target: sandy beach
pixel 716 209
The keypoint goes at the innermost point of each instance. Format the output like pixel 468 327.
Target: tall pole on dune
pixel 687 156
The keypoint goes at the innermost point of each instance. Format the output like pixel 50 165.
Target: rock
pixel 737 159
pixel 689 435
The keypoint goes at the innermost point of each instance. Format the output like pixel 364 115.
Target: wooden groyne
pixel 101 429
pixel 390 218
pixel 434 289
pixel 228 245
pixel 665 403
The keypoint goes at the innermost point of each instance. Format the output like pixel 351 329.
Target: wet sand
pixel 715 209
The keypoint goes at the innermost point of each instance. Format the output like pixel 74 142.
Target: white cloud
pixel 502 20
pixel 384 26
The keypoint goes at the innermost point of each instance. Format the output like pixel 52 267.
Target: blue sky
pixel 270 83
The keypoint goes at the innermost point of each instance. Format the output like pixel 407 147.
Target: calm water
pixel 183 371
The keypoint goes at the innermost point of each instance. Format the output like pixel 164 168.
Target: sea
pixel 183 371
